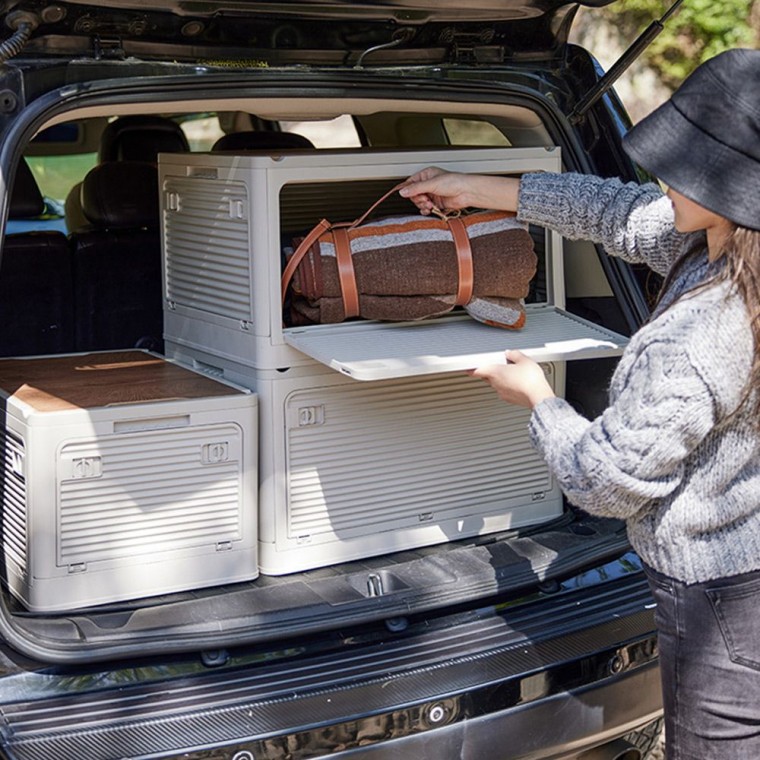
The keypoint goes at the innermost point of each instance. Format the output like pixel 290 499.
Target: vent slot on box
pixel 14 522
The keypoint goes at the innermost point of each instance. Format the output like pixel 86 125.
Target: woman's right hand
pixel 434 188
pixel 519 380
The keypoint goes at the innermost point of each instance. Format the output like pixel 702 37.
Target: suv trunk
pixel 211 332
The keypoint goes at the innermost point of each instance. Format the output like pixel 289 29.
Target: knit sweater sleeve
pixel 675 384
pixel 632 221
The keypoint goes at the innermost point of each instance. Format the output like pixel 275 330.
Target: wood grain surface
pixel 85 381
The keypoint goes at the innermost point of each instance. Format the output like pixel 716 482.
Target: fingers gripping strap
pixel 464 260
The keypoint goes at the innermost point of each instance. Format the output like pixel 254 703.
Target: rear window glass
pixel 474 132
pixel 56 175
pixel 202 132
pixel 335 133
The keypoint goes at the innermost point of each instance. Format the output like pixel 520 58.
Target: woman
pixel 677 452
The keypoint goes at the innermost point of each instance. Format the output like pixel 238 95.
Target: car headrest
pixel 141 138
pixel 121 195
pixel 242 141
pixel 26 198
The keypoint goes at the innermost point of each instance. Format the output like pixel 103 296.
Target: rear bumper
pixel 546 677
pixel 556 728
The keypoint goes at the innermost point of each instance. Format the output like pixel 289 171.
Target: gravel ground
pixel 659 753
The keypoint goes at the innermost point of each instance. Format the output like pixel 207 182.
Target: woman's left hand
pixel 520 381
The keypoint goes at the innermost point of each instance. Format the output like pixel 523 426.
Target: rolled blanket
pixel 408 268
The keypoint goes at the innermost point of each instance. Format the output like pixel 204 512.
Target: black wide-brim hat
pixel 705 141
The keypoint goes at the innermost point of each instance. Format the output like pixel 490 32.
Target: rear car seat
pixel 117 259
pixel 242 141
pixel 129 138
pixel 36 288
pixel 141 138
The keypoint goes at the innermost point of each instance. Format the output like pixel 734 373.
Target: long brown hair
pixel 740 251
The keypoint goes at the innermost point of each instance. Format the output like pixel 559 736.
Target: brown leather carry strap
pixel 346 273
pixel 303 248
pixel 464 260
pixel 358 221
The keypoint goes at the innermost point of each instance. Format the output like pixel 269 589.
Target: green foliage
pixel 56 175
pixel 699 30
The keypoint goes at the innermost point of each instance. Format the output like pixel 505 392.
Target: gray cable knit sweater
pixel 666 455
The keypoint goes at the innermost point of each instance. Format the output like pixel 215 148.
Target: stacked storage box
pixel 418 454
pixel 125 476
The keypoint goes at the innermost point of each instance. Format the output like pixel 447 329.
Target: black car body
pixel 537 642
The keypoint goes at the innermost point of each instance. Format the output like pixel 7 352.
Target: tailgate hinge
pixel 472 47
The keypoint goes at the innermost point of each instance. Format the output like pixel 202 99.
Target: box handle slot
pixel 152 423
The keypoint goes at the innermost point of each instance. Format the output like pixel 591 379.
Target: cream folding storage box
pixel 349 470
pixel 125 476
pixel 371 437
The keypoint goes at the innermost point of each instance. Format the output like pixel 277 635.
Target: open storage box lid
pixel 450 344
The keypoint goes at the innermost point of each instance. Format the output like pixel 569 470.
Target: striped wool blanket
pixel 406 268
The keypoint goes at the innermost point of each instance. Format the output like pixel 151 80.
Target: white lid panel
pixel 380 351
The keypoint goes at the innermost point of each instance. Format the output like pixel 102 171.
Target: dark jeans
pixel 709 640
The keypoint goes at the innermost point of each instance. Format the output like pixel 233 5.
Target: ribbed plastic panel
pixel 302 205
pixel 207 248
pixel 450 344
pixel 153 495
pixel 14 506
pixel 368 458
